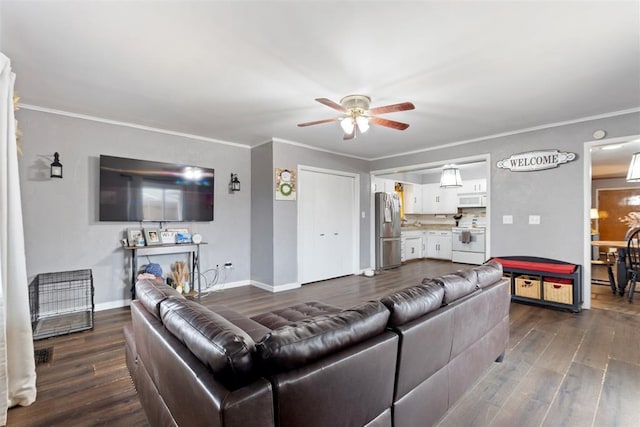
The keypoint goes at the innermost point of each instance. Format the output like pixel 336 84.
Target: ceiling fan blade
pixel 329 103
pixel 388 123
pixel 318 122
pixel 392 108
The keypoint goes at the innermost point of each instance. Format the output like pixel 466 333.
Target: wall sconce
pixel 56 166
pixel 633 175
pixel 450 177
pixel 234 185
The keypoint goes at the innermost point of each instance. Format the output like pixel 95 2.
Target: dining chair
pixel 633 259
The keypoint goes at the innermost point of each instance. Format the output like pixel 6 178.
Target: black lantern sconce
pixel 234 185
pixel 56 166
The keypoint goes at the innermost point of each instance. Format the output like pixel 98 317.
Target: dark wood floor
pixel 560 368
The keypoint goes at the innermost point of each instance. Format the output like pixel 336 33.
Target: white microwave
pixel 472 200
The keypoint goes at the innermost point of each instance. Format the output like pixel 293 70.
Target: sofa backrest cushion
pixel 488 273
pixel 151 293
pixel 216 342
pixel 411 303
pixel 308 340
pixel 458 284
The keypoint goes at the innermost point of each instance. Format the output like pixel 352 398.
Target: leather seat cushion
pixel 488 273
pixel 410 303
pixel 152 292
pixel 286 316
pixel 311 339
pixel 215 341
pixel 458 284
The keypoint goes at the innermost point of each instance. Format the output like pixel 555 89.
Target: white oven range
pixel 468 245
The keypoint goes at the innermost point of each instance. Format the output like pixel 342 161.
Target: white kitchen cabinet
pixel 412 244
pixel 413 248
pixel 438 244
pixel 384 185
pixel 437 200
pixel 412 199
pixel 473 186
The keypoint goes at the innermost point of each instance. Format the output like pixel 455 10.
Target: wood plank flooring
pixel 560 368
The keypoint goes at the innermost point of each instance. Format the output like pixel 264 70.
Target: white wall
pixel 62 231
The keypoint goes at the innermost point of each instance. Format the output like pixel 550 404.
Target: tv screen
pixel 140 190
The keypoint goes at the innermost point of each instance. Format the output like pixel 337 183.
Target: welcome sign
pixel 536 160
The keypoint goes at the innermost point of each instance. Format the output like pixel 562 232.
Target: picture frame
pixel 152 236
pixel 179 229
pixel 183 234
pixel 135 237
pixel 168 237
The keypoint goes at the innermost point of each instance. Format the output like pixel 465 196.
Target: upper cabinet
pixel 473 186
pixel 412 199
pixel 437 200
pixel 384 185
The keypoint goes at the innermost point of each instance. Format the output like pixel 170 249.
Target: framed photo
pixel 168 237
pixel 183 234
pixel 152 236
pixel 135 237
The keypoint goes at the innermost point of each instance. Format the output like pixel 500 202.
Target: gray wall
pixel 556 195
pixel 285 212
pixel 262 195
pixel 62 231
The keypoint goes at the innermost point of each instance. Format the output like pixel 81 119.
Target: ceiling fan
pixel 356 115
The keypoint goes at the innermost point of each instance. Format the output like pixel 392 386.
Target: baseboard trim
pixel 276 288
pixel 112 304
pixel 230 285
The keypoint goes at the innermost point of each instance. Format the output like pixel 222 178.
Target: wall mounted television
pixel 142 190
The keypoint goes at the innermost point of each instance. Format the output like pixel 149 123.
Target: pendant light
pixel 633 175
pixel 450 177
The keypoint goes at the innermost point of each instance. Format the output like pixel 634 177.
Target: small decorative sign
pixel 285 184
pixel 536 160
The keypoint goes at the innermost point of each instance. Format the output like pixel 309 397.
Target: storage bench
pixel 544 281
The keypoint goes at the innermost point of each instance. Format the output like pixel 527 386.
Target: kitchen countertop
pixel 424 227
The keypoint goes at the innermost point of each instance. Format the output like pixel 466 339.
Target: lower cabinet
pixel 413 248
pixel 438 244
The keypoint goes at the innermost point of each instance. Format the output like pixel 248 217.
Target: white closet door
pixel 326 230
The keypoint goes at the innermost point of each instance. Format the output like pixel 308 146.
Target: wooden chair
pixel 633 261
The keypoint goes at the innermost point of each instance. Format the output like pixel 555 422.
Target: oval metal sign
pixel 536 160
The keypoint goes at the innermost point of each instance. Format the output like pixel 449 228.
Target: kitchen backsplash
pixel 479 216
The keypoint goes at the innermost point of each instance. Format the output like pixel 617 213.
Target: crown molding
pixel 515 132
pixel 129 125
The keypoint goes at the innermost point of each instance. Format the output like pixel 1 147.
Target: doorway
pixel 609 198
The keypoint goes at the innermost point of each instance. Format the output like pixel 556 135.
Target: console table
pixel 193 249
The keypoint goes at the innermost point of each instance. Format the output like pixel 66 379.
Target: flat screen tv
pixel 141 190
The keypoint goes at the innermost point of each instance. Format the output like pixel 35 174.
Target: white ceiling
pixel 247 72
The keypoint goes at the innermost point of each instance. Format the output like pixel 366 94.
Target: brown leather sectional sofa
pixel 403 360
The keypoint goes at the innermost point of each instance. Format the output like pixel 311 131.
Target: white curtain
pixel 17 365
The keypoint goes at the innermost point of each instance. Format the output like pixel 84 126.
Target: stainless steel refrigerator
pixel 387 220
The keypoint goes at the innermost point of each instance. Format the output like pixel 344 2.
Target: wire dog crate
pixel 61 303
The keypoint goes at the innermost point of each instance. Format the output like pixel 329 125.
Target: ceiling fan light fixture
pixel 363 123
pixel 347 125
pixel 450 177
pixel 633 175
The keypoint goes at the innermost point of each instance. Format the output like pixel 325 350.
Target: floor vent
pixel 43 355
